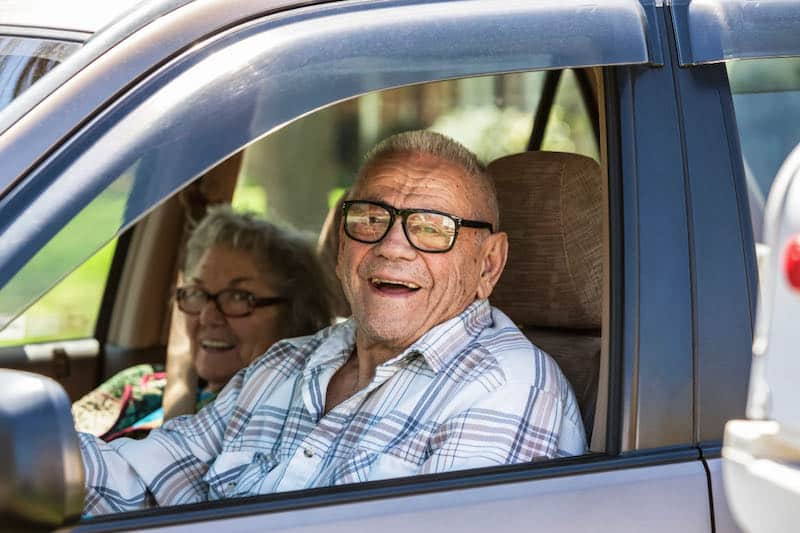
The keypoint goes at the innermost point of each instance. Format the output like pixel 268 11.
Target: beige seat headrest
pixel 551 208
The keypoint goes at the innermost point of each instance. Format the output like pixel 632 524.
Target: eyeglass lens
pixel 425 231
pixel 231 302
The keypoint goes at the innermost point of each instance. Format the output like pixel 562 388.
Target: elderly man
pixel 424 377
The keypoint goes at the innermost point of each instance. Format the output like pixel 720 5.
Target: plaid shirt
pixel 471 392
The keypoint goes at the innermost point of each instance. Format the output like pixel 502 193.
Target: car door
pixel 137 147
pixel 740 68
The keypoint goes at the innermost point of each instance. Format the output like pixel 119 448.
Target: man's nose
pixel 210 313
pixel 395 245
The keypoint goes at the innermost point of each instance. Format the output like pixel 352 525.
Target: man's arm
pixel 515 424
pixel 166 468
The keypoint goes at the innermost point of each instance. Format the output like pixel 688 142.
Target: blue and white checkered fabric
pixel 471 392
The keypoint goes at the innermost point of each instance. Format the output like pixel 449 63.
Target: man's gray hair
pixel 285 258
pixel 443 147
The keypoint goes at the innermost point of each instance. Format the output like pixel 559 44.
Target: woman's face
pixel 221 345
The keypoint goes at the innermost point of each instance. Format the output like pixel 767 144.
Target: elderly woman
pixel 246 284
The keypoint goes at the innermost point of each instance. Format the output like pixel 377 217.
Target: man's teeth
pixel 217 345
pixel 379 281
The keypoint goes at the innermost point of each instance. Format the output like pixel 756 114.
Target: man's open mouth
pixel 394 286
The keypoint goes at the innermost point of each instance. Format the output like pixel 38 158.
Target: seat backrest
pixel 551 208
pixel 328 250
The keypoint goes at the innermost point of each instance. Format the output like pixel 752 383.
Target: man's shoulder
pixel 519 360
pixel 293 353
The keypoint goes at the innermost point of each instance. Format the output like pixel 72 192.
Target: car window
pixel 303 124
pixel 570 128
pixel 766 99
pixel 70 309
pixel 24 60
pixel 492 116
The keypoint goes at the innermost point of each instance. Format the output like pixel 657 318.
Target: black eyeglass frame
pixel 253 301
pixel 404 214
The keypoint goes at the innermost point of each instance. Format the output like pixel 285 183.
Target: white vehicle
pixel 761 456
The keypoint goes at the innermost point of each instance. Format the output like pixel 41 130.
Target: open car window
pixel 301 125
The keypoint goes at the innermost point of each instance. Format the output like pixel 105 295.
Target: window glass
pixel 766 97
pixel 24 60
pixel 491 115
pixel 570 127
pixel 293 175
pixel 69 310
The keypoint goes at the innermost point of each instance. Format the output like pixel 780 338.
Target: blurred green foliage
pixel 69 310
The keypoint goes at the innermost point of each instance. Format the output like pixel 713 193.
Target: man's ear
pixel 494 251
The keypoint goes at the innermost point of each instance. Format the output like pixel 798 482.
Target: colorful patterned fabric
pixel 471 392
pixel 128 404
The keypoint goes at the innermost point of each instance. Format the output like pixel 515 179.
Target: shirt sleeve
pixel 166 468
pixel 514 424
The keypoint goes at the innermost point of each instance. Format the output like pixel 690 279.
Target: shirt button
pixel 308 452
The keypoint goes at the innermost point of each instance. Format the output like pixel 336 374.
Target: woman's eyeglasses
pixel 230 302
pixel 426 230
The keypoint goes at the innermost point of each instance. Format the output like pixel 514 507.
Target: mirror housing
pixel 41 471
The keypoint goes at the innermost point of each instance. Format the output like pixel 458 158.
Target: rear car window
pixel 24 60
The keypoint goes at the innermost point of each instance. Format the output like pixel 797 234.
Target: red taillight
pixel 791 262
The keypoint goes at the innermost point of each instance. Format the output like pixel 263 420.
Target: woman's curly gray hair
pixel 285 258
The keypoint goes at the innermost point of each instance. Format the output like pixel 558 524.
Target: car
pixel 157 109
pixel 760 453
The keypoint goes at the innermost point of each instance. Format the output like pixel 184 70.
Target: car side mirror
pixel 41 471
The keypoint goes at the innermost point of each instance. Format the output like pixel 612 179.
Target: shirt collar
pixel 335 347
pixel 437 346
pixel 443 342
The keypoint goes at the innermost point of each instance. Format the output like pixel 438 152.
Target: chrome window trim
pixel 8 30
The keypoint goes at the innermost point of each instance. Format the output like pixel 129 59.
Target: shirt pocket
pixel 238 473
pixel 366 465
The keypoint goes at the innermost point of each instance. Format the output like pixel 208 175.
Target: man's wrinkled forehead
pixel 408 171
pixel 426 181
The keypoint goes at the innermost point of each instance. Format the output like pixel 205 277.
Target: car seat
pixel 328 250
pixel 551 207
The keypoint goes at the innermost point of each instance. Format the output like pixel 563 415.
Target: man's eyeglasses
pixel 230 302
pixel 426 230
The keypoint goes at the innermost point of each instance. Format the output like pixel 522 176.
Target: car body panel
pixel 709 31
pixel 657 285
pixel 667 497
pixel 724 277
pixel 723 518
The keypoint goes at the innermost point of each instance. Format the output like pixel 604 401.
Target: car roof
pixel 85 16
